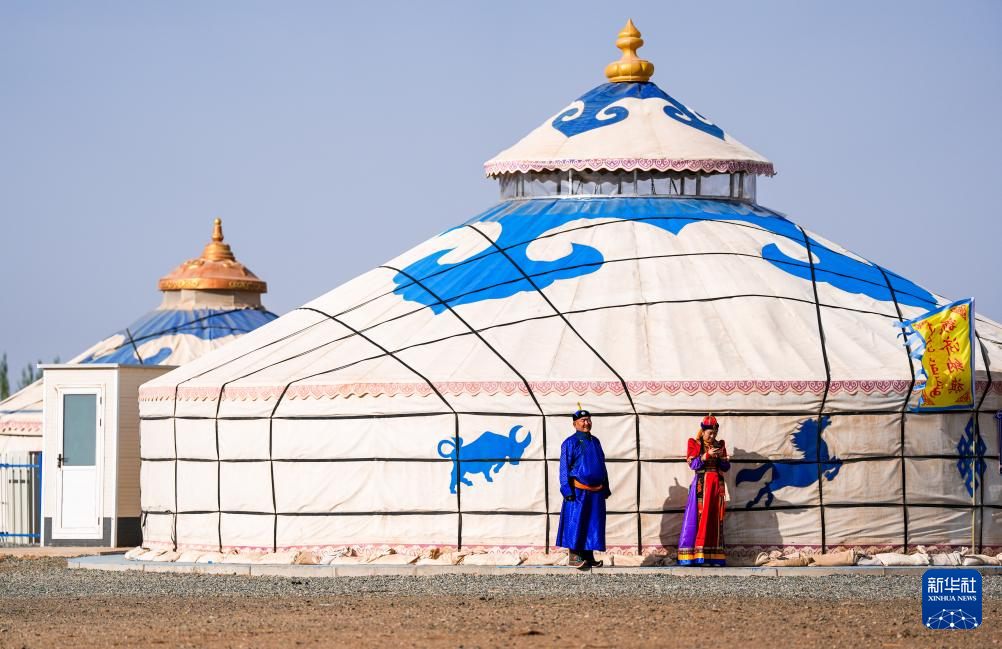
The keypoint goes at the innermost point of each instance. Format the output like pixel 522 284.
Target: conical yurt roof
pixel 628 123
pixel 332 426
pixel 208 301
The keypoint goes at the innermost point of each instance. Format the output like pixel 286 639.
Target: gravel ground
pixel 45 604
pixel 50 578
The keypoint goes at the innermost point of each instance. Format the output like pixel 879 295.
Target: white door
pixel 78 484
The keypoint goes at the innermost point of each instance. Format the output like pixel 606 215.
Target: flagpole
pixel 974 478
pixel 975 428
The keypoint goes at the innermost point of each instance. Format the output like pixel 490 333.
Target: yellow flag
pixel 943 341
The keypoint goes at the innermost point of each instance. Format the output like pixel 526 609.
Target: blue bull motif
pixel 805 440
pixel 487 452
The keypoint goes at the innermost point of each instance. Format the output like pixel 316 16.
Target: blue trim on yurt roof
pixel 492 275
pixel 206 324
pixel 598 111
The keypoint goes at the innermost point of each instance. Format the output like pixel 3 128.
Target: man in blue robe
pixel 584 483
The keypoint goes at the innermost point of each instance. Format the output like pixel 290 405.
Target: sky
pixel 331 137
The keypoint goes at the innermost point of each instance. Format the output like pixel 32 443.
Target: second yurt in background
pixel 84 488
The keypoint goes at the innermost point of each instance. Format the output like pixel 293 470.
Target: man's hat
pixel 709 421
pixel 580 412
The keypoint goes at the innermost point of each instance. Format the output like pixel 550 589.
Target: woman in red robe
pixel 702 540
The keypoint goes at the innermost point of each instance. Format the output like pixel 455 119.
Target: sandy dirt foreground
pixel 45 605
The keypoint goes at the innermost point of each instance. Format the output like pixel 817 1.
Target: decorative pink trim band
pixel 509 388
pixel 492 168
pixel 8 426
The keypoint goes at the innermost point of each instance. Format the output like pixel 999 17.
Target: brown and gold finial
pixel 217 269
pixel 629 67
pixel 217 250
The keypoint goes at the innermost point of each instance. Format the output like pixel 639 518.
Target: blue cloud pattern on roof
pixel 491 275
pixel 597 111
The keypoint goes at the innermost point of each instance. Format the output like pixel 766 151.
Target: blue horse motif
pixel 487 452
pixel 805 440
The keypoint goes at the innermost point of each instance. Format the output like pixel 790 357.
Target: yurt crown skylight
pixel 535 184
pixel 628 137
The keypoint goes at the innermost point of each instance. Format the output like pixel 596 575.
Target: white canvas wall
pixel 323 429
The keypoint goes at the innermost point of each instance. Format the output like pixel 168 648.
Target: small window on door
pixel 79 429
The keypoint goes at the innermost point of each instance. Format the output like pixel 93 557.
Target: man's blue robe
pixel 582 520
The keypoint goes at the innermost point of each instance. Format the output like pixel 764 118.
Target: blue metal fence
pixel 20 498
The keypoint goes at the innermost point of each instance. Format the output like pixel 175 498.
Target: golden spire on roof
pixel 629 67
pixel 217 269
pixel 217 250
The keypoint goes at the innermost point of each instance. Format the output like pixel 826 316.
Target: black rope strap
pixel 626 388
pixel 611 512
pixel 521 377
pixel 595 415
pixel 904 408
pixel 824 397
pixel 978 443
pixel 445 402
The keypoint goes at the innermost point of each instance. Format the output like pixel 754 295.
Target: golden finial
pixel 216 270
pixel 217 250
pixel 629 67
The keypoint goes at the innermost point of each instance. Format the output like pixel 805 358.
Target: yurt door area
pixel 79 443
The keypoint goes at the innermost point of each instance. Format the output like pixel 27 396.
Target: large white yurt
pixel 628 268
pixel 207 301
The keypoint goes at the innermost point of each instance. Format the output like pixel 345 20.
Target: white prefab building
pixel 90 455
